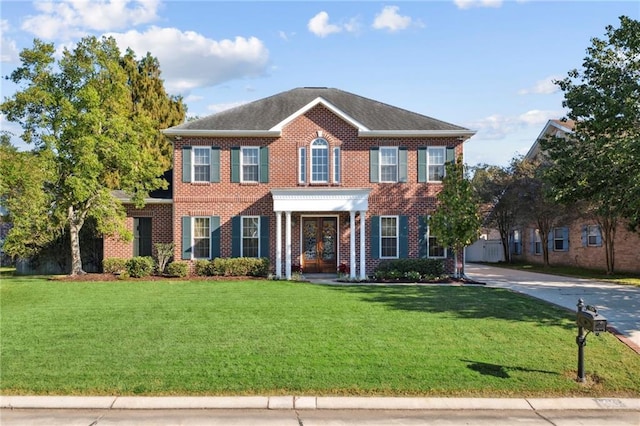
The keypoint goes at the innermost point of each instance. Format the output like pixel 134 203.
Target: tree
pixel 598 164
pixel 80 114
pixel 499 189
pixel 456 222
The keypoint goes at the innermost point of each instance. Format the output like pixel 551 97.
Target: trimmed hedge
pixel 178 269
pixel 233 267
pixel 140 266
pixel 409 268
pixel 114 265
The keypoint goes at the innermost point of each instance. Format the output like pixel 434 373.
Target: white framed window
pixel 201 164
pixel 388 237
pixel 537 242
pixel 558 239
pixel 302 164
pixel 201 238
pixel 336 165
pixel 250 236
pixel 593 234
pixel 436 156
pixel 517 242
pixel 250 163
pixel 388 164
pixel 319 161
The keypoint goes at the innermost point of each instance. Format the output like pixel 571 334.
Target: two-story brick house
pixel 310 178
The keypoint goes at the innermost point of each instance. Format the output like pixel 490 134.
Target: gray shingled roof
pixel 264 114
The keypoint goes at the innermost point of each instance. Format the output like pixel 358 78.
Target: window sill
pixel 249 183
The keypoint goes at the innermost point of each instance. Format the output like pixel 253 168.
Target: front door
pixel 319 244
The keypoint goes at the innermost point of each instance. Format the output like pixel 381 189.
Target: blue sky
pixel 483 64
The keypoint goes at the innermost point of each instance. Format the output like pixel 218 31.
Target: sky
pixel 487 65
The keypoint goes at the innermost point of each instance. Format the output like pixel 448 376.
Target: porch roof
pixel 320 199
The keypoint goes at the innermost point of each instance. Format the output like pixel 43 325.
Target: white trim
pixel 177 133
pixel 320 100
pixel 242 179
pixel 444 161
pixel 465 134
pixel 193 236
pixel 302 164
pixel 444 252
pixel 337 164
pixel 242 218
pixel 206 149
pixel 320 199
pixel 397 237
pixel 397 164
pixel 313 148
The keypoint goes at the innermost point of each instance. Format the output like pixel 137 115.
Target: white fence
pixel 485 251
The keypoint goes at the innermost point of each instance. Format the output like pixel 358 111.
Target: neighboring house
pixel 578 243
pixel 310 178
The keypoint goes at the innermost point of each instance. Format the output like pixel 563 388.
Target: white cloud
pixel 320 26
pixel 500 126
pixel 74 18
pixel 189 60
pixel 389 19
pixel 467 4
pixel 8 48
pixel 543 87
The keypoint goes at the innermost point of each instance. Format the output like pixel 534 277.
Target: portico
pixel 321 200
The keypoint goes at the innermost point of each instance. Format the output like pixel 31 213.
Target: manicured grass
pixel 572 271
pixel 270 338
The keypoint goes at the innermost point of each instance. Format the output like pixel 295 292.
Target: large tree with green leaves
pixel 95 135
pixel 456 222
pixel 598 164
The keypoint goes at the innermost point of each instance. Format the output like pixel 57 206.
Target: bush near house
pixel 114 265
pixel 178 269
pixel 233 267
pixel 410 269
pixel 140 266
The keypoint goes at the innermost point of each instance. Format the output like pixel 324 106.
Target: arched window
pixel 319 161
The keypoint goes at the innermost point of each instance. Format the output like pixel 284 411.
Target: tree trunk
pixel 76 221
pixel 608 227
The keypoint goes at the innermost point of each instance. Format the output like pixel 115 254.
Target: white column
pixel 287 242
pixel 278 245
pixel 352 244
pixel 363 261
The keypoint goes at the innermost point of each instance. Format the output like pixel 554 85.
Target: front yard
pixel 275 338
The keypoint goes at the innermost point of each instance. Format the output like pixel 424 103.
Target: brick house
pixel 311 178
pixel 579 242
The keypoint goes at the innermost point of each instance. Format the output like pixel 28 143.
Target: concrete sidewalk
pixel 314 403
pixel 620 304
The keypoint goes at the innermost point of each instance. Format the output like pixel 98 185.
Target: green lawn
pixel 276 338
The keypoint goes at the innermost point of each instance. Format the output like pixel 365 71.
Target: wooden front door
pixel 319 244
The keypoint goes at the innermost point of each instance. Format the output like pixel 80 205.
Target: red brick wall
pixel 161 229
pixel 626 244
pixel 226 199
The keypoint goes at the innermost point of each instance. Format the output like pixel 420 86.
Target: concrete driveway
pixel 620 304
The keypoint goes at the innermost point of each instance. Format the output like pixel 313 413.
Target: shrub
pixel 397 268
pixel 178 269
pixel 140 266
pixel 240 266
pixel 412 275
pixel 203 267
pixel 164 253
pixel 114 265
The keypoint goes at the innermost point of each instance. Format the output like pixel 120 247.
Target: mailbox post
pixel 587 319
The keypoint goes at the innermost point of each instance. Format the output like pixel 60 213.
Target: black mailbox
pixel 592 321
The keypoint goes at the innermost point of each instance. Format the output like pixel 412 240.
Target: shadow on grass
pixel 500 371
pixel 465 302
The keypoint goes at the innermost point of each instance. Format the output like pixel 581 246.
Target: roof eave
pixel 465 134
pixel 176 133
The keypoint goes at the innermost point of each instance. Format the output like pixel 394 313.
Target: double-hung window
pixel 558 239
pixel 593 235
pixel 250 236
pixel 388 164
pixel 435 163
pixel 319 161
pixel 435 249
pixel 201 164
pixel 201 238
pixel 250 163
pixel 336 165
pixel 388 236
pixel 537 242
